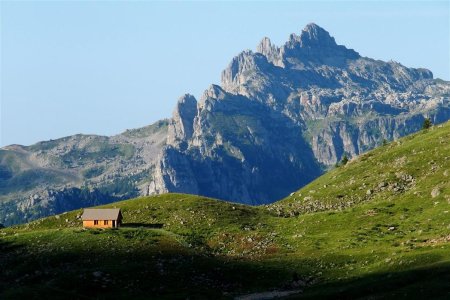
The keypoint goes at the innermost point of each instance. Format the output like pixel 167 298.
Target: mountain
pixel 64 174
pixel 294 109
pixel 291 110
pixel 374 228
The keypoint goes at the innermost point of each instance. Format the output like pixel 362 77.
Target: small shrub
pixel 426 123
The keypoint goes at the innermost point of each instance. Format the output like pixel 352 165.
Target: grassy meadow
pixel 377 227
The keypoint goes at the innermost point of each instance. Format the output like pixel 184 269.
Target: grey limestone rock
pixel 298 109
pixel 181 124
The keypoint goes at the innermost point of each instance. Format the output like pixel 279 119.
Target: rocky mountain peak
pixel 315 36
pixel 266 47
pixel 312 49
pixel 270 51
pixel 315 44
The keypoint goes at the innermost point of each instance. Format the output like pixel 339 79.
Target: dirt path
pixel 268 295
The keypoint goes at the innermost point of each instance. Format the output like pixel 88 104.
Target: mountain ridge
pixel 294 109
pixel 307 89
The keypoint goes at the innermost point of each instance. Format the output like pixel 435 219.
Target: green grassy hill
pixel 378 227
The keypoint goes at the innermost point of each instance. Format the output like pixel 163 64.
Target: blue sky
pixel 102 67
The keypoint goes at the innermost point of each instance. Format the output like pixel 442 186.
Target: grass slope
pixel 378 227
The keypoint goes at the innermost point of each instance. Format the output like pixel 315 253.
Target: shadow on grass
pixel 6 246
pixel 142 225
pixel 159 272
pixel 432 282
pixel 166 271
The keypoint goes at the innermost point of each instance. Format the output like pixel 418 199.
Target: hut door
pixel 114 223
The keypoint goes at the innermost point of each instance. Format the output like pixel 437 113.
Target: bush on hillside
pixel 426 123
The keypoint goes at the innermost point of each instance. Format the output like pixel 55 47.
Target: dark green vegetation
pixel 147 130
pixel 376 227
pixel 426 124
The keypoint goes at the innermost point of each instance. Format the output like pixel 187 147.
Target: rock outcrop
pixel 181 124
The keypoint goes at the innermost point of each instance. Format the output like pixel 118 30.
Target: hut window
pixel 95 222
pixel 105 222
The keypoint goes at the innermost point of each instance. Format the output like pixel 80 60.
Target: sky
pixel 102 67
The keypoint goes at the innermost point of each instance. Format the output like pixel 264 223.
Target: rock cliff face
pixel 280 116
pixel 239 149
pixel 181 124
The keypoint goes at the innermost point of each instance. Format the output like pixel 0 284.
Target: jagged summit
pixel 312 26
pixel 266 47
pixel 311 35
pixel 313 47
pixel 315 44
pixel 315 36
